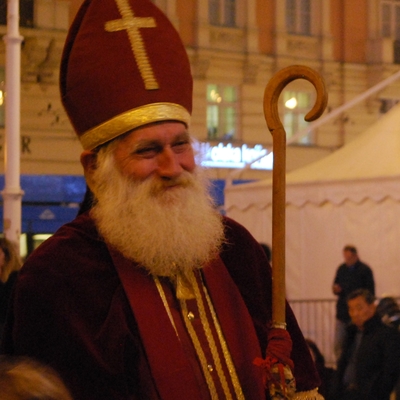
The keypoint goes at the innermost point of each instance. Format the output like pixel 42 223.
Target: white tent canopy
pixel 350 197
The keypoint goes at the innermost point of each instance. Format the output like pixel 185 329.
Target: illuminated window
pixel 31 241
pixel 25 11
pixel 296 105
pixel 2 97
pixel 390 19
pixel 222 12
pixel 298 17
pixel 221 112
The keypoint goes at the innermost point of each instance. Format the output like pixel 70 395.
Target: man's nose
pixel 168 164
pixel 353 314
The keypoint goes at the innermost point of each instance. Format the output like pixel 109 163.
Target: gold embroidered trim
pixel 200 353
pixel 165 302
pixel 197 345
pixel 184 289
pixel 132 24
pixel 132 119
pixel 225 350
pixel 210 338
pixel 279 325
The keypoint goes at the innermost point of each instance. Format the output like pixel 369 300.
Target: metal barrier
pixel 317 322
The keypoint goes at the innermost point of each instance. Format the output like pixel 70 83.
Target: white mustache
pixel 158 186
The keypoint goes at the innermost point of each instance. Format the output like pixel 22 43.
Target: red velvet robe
pixel 70 311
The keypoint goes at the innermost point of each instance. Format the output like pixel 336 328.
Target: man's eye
pixel 149 151
pixel 182 145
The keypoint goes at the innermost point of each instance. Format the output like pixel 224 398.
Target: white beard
pixel 164 230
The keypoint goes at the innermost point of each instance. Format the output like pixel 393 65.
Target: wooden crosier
pixel 271 97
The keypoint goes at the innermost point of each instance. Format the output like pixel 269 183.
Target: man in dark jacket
pixel 351 275
pixel 370 362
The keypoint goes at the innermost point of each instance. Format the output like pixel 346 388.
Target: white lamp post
pixel 12 193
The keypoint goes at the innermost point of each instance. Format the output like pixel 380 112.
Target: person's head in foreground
pixel 25 379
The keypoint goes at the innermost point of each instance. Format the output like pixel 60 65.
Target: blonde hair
pixel 12 261
pixel 22 378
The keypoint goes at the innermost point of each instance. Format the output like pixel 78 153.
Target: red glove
pixel 278 353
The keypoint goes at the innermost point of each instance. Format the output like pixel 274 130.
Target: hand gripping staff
pixel 278 365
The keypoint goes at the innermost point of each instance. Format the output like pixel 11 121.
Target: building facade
pixel 235 47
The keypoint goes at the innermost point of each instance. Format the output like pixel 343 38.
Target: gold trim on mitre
pixel 132 119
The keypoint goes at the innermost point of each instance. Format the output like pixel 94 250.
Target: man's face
pixel 349 257
pixel 152 204
pixel 161 150
pixel 360 311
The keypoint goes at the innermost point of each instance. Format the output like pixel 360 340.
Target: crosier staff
pixel 278 364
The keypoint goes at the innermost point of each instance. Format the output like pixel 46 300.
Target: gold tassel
pixel 184 288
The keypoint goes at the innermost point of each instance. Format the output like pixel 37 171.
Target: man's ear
pixel 89 163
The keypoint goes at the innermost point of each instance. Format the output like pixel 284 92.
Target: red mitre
pixel 123 66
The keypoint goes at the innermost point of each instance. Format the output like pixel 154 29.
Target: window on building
pixel 298 17
pixel 296 105
pixel 25 13
pixel 390 25
pixel 390 19
pixel 222 114
pixel 222 12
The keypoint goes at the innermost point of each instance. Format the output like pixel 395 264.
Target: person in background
pixel 369 365
pixel 149 293
pixel 22 378
pixel 389 311
pixel 10 264
pixel 351 275
pixel 325 373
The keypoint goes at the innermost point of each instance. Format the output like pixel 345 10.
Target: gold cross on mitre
pixel 132 24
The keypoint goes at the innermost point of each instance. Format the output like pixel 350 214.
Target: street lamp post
pixel 12 193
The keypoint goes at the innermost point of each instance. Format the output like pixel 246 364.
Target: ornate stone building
pixel 235 46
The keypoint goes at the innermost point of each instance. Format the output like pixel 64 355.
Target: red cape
pixel 70 311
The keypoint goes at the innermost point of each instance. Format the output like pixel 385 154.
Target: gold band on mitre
pixel 132 119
